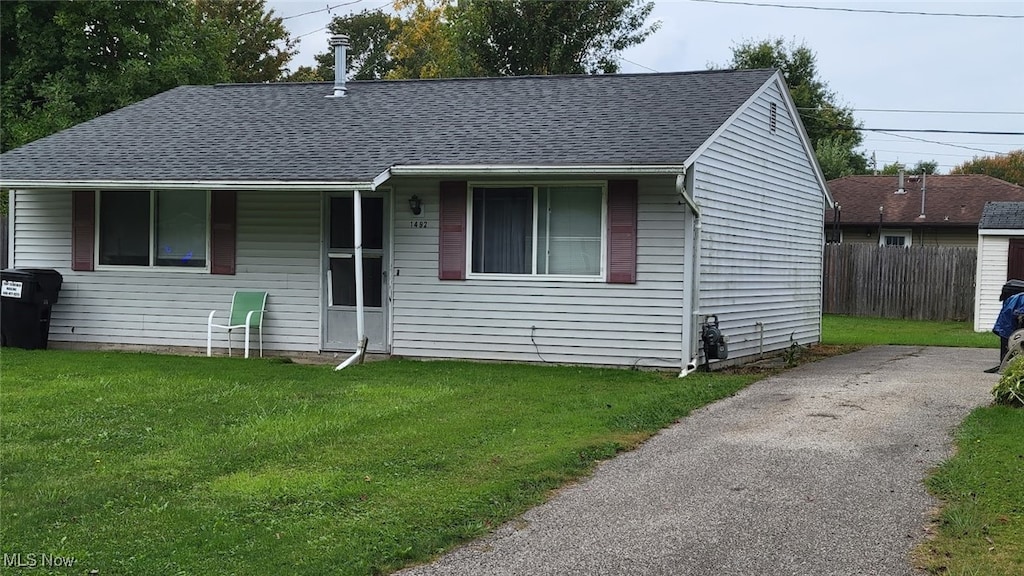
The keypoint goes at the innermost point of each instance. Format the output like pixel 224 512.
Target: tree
pixel 1008 167
pixel 256 45
pixel 425 47
pixel 822 116
pixel 833 157
pixel 924 167
pixel 893 169
pixel 67 62
pixel 371 36
pixel 524 37
pixel 444 38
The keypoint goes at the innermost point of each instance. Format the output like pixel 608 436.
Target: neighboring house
pixel 923 211
pixel 527 219
pixel 1000 258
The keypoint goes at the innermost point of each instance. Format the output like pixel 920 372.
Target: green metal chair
pixel 246 312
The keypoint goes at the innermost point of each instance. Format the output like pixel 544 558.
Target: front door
pixel 340 273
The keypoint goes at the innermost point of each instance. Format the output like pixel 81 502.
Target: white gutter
pixel 510 169
pixel 337 186
pixel 270 185
pixel 999 232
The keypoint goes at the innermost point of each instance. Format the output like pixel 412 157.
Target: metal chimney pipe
pixel 340 44
pixel 924 190
pixel 901 190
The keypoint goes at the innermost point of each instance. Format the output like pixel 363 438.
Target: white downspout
pixel 686 345
pixel 357 229
pixel 691 262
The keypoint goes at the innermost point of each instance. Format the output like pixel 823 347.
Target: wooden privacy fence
pixel 919 282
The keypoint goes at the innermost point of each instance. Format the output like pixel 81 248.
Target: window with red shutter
pixel 451 261
pixel 223 231
pixel 168 228
pixel 622 202
pixel 83 229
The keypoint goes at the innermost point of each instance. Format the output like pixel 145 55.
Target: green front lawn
pixel 856 330
pixel 981 526
pixel 145 464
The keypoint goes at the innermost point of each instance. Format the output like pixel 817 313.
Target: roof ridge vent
pixel 340 44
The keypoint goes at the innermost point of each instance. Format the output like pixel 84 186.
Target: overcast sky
pixel 870 60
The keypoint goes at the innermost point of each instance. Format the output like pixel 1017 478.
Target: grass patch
pixel 981 526
pixel 145 464
pixel 856 330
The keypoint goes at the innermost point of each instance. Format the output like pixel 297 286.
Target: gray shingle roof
pixel 291 132
pixel 1002 216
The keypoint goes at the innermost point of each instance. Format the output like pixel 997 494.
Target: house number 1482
pixel 417 224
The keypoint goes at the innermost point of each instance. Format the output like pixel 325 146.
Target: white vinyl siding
pixel 278 250
pixel 571 321
pixel 762 239
pixel 993 255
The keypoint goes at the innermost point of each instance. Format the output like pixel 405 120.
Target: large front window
pixel 540 230
pixel 153 228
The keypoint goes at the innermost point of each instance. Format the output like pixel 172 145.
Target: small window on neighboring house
pixel 153 228
pixel 537 230
pixel 773 117
pixel 895 238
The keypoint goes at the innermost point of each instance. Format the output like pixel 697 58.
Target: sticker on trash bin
pixel 10 289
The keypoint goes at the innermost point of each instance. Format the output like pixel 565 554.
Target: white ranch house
pixel 568 219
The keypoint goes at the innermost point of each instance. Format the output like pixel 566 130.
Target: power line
pixel 873 138
pixel 943 143
pixel 325 9
pixel 860 10
pixel 920 153
pixel 637 64
pixel 840 127
pixel 934 131
pixel 313 32
pixel 907 111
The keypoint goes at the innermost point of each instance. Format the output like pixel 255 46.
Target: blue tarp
pixel 1006 322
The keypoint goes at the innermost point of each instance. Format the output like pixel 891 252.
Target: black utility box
pixel 1010 288
pixel 27 296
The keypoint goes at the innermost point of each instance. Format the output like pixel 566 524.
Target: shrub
pixel 1010 389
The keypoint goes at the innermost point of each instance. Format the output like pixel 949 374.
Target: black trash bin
pixel 26 301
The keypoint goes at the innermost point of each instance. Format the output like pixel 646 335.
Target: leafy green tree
pixel 924 167
pixel 525 37
pixel 893 169
pixel 67 62
pixel 444 38
pixel 255 43
pixel 372 34
pixel 1008 167
pixel 425 46
pixel 833 157
pixel 823 117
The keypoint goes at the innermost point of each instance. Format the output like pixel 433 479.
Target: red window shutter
pixel 451 261
pixel 83 230
pixel 222 231
pixel 622 199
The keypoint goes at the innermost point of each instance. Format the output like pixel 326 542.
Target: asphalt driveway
pixel 816 471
